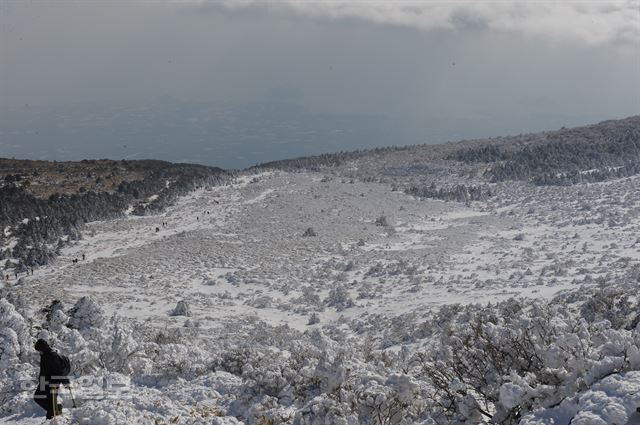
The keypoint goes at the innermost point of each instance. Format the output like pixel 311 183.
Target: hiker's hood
pixel 42 346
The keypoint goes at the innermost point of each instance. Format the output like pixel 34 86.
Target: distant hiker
pixel 197 218
pixel 54 370
pixel 31 271
pixel 83 257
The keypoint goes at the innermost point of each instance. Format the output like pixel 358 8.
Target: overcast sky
pixel 452 59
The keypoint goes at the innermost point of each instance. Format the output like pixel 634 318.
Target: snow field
pixel 340 327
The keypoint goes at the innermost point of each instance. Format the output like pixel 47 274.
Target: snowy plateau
pixel 332 298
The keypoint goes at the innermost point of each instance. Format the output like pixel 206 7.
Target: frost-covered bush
pixel 180 360
pixel 14 334
pixel 15 355
pixel 612 304
pixel 181 309
pixel 365 291
pixel 322 410
pixel 314 319
pixel 86 314
pixel 382 221
pixel 391 400
pixel 610 401
pixel 309 232
pixel 263 301
pixel 309 298
pixel 339 298
pixel 500 362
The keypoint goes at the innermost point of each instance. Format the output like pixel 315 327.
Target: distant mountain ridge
pixel 610 149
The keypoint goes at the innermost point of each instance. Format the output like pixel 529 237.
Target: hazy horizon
pixel 233 83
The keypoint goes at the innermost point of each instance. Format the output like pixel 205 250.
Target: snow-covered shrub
pixel 124 350
pixel 181 309
pixel 180 360
pixel 209 282
pixel 56 305
pixel 322 410
pixel 309 232
pixel 502 361
pixel 339 298
pixel 314 319
pixel 382 221
pixel 332 374
pixel 14 329
pixel 86 314
pixel 612 304
pixel 393 400
pixel 367 290
pixel 613 400
pixel 309 298
pixel 16 351
pixel 264 301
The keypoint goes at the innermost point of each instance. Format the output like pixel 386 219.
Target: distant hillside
pixel 44 204
pixel 610 149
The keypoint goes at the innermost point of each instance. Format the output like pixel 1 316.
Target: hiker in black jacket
pixel 49 379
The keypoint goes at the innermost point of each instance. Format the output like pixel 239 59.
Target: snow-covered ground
pixel 237 256
pixel 246 240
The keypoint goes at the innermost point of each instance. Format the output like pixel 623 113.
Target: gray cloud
pixel 587 22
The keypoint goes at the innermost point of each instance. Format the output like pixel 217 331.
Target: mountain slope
pixel 395 308
pixel 43 204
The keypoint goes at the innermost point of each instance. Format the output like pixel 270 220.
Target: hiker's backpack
pixel 65 365
pixel 63 369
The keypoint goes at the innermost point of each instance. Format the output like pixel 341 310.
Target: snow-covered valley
pixel 320 299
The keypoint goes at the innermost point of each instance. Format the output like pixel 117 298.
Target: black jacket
pixel 50 367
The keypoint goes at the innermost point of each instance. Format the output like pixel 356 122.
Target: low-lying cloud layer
pixel 589 22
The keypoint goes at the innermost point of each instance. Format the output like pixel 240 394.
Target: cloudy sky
pixel 536 63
